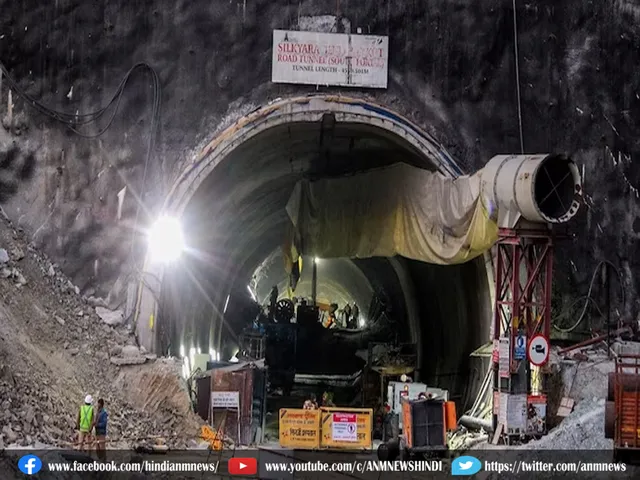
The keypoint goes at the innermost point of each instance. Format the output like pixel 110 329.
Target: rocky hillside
pixel 55 349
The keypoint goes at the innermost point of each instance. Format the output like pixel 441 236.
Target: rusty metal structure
pixel 524 272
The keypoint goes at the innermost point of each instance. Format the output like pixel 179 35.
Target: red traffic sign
pixel 538 350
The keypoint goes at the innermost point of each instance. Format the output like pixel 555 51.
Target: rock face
pixel 452 71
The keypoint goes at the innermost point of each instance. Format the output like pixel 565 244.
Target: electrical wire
pixel 72 121
pixel 515 47
pixel 588 298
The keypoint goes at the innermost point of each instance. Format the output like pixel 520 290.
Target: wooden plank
pixel 566 407
pixel 496 436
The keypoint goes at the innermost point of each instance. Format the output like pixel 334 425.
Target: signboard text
pixel 330 59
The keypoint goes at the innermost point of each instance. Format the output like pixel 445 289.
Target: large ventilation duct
pixel 539 188
pixel 425 216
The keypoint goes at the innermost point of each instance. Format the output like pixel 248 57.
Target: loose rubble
pixel 55 348
pixel 583 429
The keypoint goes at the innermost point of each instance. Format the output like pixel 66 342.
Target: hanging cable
pixel 515 46
pixel 588 298
pixel 72 121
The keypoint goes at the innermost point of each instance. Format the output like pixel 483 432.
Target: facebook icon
pixel 30 464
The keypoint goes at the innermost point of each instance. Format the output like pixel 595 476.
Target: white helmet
pixel 88 399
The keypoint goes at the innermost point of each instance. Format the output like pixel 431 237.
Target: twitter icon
pixel 465 466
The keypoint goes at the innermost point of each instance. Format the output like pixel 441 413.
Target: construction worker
pixel 327 400
pixel 346 311
pixel 356 315
pixel 100 424
pixel 273 300
pixel 331 318
pixel 84 422
pixel 310 403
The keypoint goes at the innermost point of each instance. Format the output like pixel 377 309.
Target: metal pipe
pixel 593 340
pixel 475 441
pixel 314 282
pixel 540 188
pixel 476 423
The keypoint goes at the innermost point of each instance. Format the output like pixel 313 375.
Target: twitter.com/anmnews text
pixel 526 466
pixel 468 465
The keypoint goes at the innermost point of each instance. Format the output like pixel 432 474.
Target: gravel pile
pixel 583 429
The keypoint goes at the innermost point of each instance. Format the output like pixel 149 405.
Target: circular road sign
pixel 538 350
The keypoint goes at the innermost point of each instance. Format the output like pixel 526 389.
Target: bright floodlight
pixel 362 322
pixel 166 242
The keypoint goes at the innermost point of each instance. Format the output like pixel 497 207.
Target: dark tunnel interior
pixel 236 223
pixel 555 186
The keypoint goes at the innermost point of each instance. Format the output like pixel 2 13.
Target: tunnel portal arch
pixel 308 109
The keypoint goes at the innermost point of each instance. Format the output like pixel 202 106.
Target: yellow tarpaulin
pixel 397 210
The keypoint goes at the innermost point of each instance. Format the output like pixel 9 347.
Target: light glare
pixel 166 242
pixel 253 295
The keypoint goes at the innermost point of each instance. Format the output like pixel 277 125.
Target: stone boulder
pixel 110 317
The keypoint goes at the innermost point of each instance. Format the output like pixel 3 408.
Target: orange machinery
pixel 425 426
pixel 426 423
pixel 622 412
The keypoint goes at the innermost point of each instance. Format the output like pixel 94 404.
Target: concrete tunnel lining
pixel 309 111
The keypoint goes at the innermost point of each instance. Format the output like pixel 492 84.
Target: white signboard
pixel 344 427
pixel 504 357
pixel 229 400
pixel 512 412
pixel 312 58
pixel 539 350
pixel 517 413
pixel 502 408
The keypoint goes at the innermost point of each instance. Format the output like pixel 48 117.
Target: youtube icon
pixel 242 466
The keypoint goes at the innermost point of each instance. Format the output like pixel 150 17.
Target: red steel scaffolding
pixel 524 269
pixel 522 310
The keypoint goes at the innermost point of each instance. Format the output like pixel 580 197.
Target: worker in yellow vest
pixel 84 423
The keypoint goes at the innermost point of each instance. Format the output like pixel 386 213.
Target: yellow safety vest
pixel 86 418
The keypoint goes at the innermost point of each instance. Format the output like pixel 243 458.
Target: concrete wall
pixel 452 71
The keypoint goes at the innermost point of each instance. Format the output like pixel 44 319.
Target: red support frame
pixel 524 273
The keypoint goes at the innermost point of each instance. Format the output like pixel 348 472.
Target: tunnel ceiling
pixel 245 196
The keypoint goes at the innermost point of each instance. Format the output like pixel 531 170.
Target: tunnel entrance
pixel 232 205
